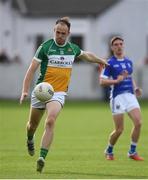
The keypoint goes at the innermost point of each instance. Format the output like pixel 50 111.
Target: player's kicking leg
pixel 53 109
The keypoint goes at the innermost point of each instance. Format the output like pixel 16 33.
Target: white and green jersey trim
pixel 57 56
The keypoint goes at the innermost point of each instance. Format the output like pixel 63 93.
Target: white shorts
pixel 123 103
pixel 58 96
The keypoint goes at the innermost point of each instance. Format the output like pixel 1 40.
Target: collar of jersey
pixel 119 59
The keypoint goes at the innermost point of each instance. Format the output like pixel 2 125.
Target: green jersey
pixel 56 63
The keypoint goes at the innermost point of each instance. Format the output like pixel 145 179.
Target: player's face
pixel 118 47
pixel 61 33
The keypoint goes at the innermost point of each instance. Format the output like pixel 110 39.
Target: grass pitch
pixel 81 135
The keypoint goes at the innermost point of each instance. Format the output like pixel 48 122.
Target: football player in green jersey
pixel 55 58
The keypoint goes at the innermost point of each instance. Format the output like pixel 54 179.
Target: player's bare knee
pixel 50 121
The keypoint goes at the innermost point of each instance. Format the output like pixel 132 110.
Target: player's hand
pixel 120 78
pixel 125 73
pixel 23 97
pixel 138 91
pixel 104 64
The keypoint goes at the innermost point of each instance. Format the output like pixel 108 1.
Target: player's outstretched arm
pixel 28 79
pixel 88 56
pixel 109 82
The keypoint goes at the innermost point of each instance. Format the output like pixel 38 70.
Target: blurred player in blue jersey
pixel 118 75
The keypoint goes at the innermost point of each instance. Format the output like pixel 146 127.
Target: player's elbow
pixel 87 56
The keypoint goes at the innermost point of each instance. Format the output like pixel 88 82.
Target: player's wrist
pixel 25 93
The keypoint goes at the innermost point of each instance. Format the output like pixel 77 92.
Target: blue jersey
pixel 117 67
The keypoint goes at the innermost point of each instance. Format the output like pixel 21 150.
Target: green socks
pixel 43 152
